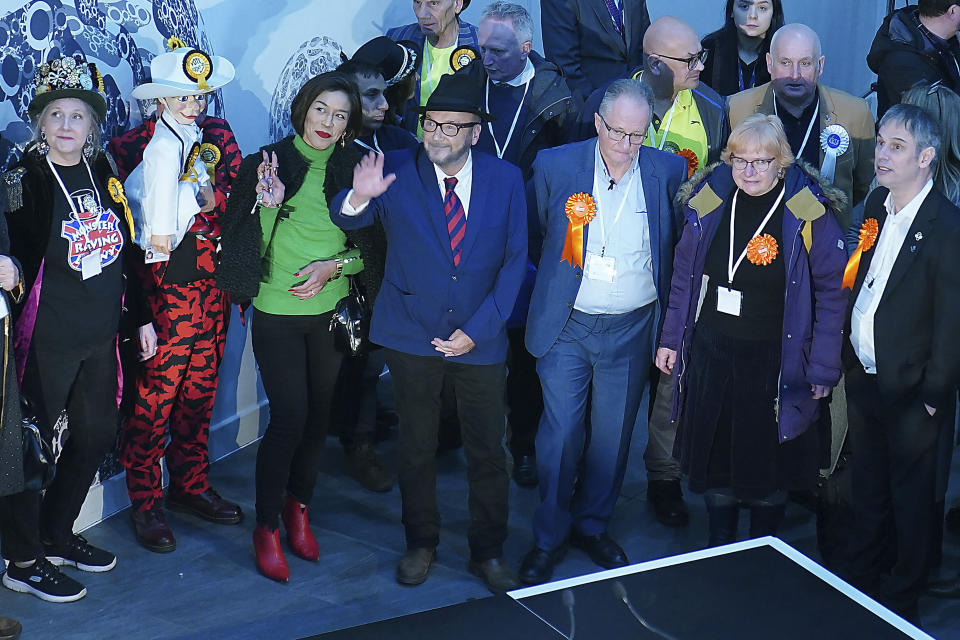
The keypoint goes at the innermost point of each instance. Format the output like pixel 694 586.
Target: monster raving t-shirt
pixel 76 313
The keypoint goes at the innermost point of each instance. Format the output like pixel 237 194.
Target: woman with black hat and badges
pixel 174 209
pixel 70 230
pixel 290 259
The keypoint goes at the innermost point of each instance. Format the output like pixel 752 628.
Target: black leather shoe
pixel 602 549
pixel 207 505
pixel 525 471
pixel 944 588
pixel 666 498
pixel 414 566
pixel 537 565
pixel 495 573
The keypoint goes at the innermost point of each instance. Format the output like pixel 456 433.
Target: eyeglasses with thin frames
pixel 449 129
pixel 700 56
pixel 636 139
pixel 760 165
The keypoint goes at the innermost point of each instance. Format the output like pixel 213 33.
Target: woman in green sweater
pixel 281 251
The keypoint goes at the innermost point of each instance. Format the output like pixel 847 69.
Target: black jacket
pixel 721 72
pixel 710 104
pixel 11 448
pixel 550 107
pixel 239 271
pixel 902 56
pixel 914 329
pixel 30 188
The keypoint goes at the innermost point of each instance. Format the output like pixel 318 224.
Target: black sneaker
pixel 81 554
pixel 43 580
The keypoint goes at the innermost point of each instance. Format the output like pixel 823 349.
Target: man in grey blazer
pixel 606 215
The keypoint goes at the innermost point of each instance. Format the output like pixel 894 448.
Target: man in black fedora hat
pixel 456 256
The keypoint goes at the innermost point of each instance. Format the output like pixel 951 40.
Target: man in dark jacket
pixel 916 45
pixel 533 109
pixel 593 41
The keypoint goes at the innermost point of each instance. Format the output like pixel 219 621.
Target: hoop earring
pixel 343 140
pixel 42 145
pixel 88 148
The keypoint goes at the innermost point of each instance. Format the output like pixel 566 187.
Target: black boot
pixel 767 514
pixel 723 511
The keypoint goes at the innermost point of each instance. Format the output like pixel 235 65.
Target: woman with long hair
pixel 738 50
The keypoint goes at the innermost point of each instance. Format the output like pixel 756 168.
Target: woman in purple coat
pixel 753 327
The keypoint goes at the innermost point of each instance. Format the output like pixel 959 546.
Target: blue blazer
pixel 559 173
pixel 467 37
pixel 423 295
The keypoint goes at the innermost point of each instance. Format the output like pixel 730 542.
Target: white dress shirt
pixel 887 248
pixel 621 232
pixel 463 189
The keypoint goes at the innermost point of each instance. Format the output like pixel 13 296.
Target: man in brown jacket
pixel 831 130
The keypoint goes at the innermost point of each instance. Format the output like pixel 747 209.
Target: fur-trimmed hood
pixel 832 197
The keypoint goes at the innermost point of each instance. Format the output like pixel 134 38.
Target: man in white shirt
pixel 902 361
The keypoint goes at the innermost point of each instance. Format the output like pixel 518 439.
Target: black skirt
pixel 728 433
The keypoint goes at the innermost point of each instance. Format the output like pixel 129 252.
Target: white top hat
pixel 184 72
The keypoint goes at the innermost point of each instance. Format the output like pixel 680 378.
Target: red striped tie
pixel 456 218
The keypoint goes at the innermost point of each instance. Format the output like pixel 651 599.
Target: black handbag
pixel 39 455
pixel 350 322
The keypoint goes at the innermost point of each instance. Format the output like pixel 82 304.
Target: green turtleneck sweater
pixel 305 235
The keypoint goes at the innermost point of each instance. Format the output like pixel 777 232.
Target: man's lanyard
pixel 616 217
pixel 376 145
pixel 666 130
pixel 813 118
pixel 753 75
pixel 731 267
pixel 516 117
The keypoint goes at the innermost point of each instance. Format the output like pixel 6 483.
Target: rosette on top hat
pixel 184 71
pixel 68 77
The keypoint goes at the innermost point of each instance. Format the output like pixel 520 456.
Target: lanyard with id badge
pixel 730 300
pixel 598 266
pixel 90 262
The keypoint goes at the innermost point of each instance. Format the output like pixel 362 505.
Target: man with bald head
pixel 827 128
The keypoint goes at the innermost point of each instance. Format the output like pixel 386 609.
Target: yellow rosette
pixel 198 67
pixel 189 171
pixel 581 210
pixel 116 192
pixel 210 156
pixel 868 236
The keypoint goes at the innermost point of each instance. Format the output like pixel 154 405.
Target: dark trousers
pixel 607 357
pixel 661 432
pixel 524 397
pixel 479 389
pixel 355 401
pixel 893 477
pixel 298 365
pixel 85 384
pixel 175 392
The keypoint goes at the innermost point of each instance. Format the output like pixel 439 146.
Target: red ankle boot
pixel 270 560
pixel 299 536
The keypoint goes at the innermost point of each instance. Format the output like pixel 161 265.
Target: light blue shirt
pixel 624 238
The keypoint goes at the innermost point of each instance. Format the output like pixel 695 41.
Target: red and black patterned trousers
pixel 178 385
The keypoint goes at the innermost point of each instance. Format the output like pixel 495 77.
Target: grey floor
pixel 209 587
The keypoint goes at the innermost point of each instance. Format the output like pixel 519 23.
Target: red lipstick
pixel 323 134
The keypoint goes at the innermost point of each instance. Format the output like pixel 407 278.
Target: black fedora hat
pixel 457 92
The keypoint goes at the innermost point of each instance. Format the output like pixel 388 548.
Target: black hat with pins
pixel 457 92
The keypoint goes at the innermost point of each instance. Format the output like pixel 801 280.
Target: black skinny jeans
pixel 298 365
pixel 85 383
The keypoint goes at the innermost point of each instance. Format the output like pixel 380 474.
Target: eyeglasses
pixel 759 165
pixel 700 56
pixel 449 129
pixel 636 139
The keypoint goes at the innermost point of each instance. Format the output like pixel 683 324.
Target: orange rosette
pixel 581 209
pixel 762 250
pixel 869 231
pixel 693 163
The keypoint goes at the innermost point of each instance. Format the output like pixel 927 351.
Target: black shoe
pixel 537 565
pixel 666 498
pixel 525 471
pixel 414 566
pixel 365 467
pixel 80 554
pixel 43 580
pixel 949 588
pixel 602 549
pixel 495 573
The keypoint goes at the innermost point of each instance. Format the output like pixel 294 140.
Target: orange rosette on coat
pixel 580 210
pixel 693 163
pixel 762 250
pixel 869 231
